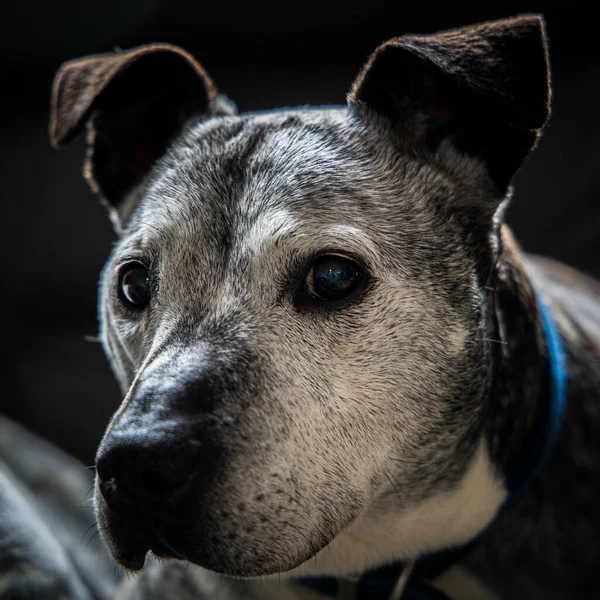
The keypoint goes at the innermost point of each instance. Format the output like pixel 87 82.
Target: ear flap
pixel 486 87
pixel 134 104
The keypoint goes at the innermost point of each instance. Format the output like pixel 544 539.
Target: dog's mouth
pixel 132 556
pixel 130 541
pixel 224 529
pixel 130 546
pixel 162 550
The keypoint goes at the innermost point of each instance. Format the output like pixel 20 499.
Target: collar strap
pixel 379 583
pixel 549 414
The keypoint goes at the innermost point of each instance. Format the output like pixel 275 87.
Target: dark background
pixel 55 236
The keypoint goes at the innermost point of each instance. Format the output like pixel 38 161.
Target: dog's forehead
pixel 320 178
pixel 307 163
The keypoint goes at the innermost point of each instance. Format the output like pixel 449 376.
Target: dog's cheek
pixel 330 432
pixel 375 391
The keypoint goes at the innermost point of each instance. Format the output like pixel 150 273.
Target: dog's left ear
pixel 485 87
pixel 134 104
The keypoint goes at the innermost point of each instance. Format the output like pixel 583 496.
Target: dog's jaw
pixel 446 520
pixel 383 535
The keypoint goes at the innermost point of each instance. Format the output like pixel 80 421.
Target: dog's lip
pixel 128 540
pixel 161 549
pixel 134 559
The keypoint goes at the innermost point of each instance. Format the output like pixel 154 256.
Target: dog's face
pixel 295 308
pixel 316 338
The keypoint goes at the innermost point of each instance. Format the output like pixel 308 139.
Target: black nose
pixel 145 471
pixel 162 439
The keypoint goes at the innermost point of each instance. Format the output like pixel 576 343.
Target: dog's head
pixel 296 307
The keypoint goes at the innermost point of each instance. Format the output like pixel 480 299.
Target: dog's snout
pixel 143 473
pixel 164 437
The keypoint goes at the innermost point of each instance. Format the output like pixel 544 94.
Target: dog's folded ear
pixel 486 87
pixel 134 103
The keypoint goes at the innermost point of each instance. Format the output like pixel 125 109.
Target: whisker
pixel 393 486
pixel 495 341
pixel 94 524
pixel 97 532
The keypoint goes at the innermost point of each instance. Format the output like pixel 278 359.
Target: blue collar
pixel 379 583
pixel 550 410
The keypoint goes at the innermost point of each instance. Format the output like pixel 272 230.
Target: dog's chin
pixel 130 541
pixel 234 564
pixel 132 556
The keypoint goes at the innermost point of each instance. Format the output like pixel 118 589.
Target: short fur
pixel 263 434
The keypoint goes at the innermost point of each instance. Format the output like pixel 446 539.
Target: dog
pixel 333 354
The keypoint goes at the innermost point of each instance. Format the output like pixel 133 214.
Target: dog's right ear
pixel 485 88
pixel 134 103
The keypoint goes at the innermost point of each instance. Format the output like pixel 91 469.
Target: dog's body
pixel 271 428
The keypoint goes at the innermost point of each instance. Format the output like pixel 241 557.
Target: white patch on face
pixel 266 229
pixel 448 519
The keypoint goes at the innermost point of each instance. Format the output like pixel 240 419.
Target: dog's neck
pixel 520 356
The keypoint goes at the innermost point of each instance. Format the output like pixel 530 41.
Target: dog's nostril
pixel 145 474
pixel 103 473
pixel 114 497
pixel 108 488
pixel 110 483
pixel 128 474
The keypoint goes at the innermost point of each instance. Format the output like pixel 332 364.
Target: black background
pixel 55 236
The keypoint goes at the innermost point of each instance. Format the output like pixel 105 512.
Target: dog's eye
pixel 134 285
pixel 333 278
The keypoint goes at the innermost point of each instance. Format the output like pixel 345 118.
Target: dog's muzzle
pixel 156 457
pixel 186 469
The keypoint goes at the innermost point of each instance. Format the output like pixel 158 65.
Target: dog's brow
pixel 272 229
pixel 348 237
pixel 282 227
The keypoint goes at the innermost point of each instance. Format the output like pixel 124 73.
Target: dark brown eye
pixel 134 285
pixel 333 277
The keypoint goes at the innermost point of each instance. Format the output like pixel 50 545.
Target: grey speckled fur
pixel 335 439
